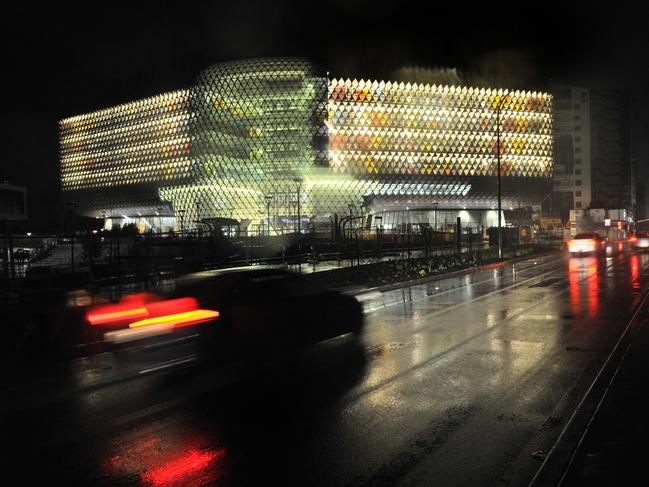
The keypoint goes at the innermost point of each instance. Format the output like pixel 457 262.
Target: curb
pixel 377 293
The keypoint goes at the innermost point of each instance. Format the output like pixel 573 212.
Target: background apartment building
pixel 592 153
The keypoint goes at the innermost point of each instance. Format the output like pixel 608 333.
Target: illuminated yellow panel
pixel 147 141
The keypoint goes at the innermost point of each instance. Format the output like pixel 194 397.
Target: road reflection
pixel 584 300
pixel 164 457
pixel 634 262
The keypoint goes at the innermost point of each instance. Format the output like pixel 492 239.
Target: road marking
pixel 170 363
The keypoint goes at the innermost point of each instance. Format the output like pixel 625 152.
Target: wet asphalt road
pixel 463 381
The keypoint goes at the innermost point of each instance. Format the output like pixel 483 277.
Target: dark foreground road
pixel 467 382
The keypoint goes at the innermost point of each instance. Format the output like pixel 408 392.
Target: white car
pixel 640 241
pixel 586 243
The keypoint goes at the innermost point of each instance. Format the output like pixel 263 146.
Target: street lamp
pixel 298 181
pixel 269 198
pixel 181 212
pixel 351 210
pixel 159 221
pixel 498 108
pixel 435 205
pixel 71 205
pixel 379 225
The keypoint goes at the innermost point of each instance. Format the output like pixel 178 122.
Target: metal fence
pixel 61 260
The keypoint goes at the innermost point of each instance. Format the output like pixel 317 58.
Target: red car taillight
pixel 144 310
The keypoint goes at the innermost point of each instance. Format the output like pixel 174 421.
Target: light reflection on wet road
pixel 457 386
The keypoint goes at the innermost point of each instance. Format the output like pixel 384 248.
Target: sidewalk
pixel 607 441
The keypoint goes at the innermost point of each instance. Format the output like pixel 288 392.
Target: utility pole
pixel 70 206
pixel 269 198
pixel 181 212
pixel 500 235
pixel 298 181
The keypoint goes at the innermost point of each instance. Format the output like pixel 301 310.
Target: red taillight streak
pixel 171 306
pixel 131 307
pixel 135 311
pixel 117 316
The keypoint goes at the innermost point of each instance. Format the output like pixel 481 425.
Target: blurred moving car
pixel 269 308
pixel 588 242
pixel 235 311
pixel 640 241
pixel 145 315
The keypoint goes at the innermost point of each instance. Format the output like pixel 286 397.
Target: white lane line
pixel 170 363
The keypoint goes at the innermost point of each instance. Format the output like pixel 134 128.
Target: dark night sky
pixel 65 60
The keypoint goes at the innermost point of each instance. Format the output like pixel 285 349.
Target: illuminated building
pixel 261 140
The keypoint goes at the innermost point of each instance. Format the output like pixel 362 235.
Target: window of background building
pixel 577 160
pixel 578 204
pixel 577 182
pixel 577 128
pixel 577 150
pixel 577 172
pixel 577 117
pixel 584 96
pixel 578 139
pixel 577 106
pixel 577 193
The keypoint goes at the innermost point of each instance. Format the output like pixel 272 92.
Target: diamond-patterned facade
pixel 254 136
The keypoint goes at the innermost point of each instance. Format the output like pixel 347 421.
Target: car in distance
pixel 586 243
pixel 640 241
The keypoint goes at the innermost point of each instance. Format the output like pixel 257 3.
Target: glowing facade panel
pixel 258 130
pixel 395 128
pixel 127 148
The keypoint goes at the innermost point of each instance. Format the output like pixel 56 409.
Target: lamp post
pixel 181 213
pixel 379 224
pixel 435 205
pixel 71 205
pixel 269 198
pixel 500 236
pixel 351 213
pixel 159 221
pixel 298 181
